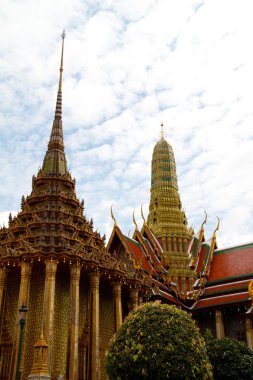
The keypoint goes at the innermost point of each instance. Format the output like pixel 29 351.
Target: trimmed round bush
pixel 158 341
pixel 231 359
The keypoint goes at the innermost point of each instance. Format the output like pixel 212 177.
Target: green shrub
pixel 158 342
pixel 230 359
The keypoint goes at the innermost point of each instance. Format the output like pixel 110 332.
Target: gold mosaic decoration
pixel 106 323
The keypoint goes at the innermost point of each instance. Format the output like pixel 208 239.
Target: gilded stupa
pixel 167 218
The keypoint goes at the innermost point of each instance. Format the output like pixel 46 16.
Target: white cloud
pixel 127 67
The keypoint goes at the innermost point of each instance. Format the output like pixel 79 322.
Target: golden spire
pixel 58 110
pixel 162 132
pixel 55 162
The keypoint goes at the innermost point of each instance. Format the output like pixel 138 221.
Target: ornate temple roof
pixel 51 223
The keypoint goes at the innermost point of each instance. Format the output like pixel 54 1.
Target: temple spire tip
pixel 162 132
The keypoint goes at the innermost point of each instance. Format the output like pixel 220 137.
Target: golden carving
pixel 40 361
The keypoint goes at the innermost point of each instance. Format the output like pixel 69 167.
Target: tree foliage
pixel 158 342
pixel 231 359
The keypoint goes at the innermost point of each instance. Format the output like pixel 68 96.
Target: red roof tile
pixel 234 286
pixel 139 254
pixel 221 300
pixel 231 263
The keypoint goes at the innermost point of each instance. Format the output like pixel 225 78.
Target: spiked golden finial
pixel 58 111
pixel 113 217
pixel 55 161
pixel 142 215
pixel 135 221
pixel 162 132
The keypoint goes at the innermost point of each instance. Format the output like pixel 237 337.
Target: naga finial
pixel 205 219
pixel 135 221
pixel 113 217
pixel 218 225
pixel 142 215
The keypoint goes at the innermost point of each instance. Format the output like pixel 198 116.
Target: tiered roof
pixel 52 224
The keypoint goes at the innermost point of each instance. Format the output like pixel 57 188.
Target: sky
pixel 128 66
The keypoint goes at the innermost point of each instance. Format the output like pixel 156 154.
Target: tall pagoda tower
pixel 166 217
pixel 53 262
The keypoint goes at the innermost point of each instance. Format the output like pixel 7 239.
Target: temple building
pixel 78 291
pixel 54 263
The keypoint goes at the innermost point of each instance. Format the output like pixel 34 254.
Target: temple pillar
pixel 2 285
pixel 116 292
pixel 73 360
pixel 134 298
pixel 23 299
pixel 94 373
pixel 219 324
pixel 49 294
pixel 249 332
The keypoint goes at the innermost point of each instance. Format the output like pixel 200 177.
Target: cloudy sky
pixel 128 65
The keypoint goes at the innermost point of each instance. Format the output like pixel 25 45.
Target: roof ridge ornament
pixel 135 221
pixel 113 217
pixel 205 219
pixel 218 225
pixel 142 215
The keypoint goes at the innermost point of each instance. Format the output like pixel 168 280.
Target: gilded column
pixel 73 360
pixel 180 245
pixel 116 291
pixel 219 324
pixel 134 298
pixel 94 326
pixel 249 332
pixel 2 285
pixel 169 244
pixel 49 293
pixel 164 244
pixel 23 299
pixel 185 245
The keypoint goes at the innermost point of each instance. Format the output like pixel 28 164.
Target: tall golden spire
pixel 165 212
pixel 166 216
pixel 55 161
